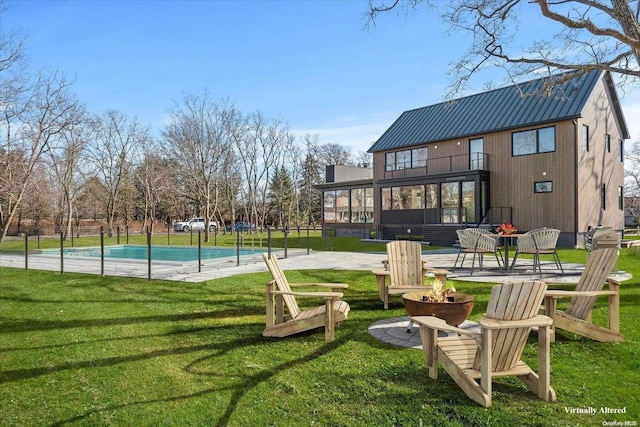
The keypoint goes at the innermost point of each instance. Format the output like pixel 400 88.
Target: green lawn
pixel 89 350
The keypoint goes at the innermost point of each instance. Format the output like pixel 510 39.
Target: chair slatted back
pixel 525 243
pixel 512 301
pixel 545 238
pixel 467 238
pixel 405 263
pixel 282 283
pixel 485 240
pixel 595 274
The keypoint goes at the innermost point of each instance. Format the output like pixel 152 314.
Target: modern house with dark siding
pixel 503 156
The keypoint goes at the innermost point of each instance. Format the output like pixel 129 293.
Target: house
pixel 504 156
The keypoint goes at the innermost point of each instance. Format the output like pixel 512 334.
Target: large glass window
pixel 476 151
pixel 621 150
pixel 419 157
pixel 431 194
pixel 390 161
pixel 469 201
pixel 329 206
pixel 450 195
pixel 403 159
pixel 362 205
pixel 621 198
pixel 533 141
pixel 342 206
pixel 386 199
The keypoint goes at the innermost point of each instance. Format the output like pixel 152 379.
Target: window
pixel 469 201
pixel 533 141
pixel 543 187
pixel 621 149
pixel 390 162
pixel 361 205
pixel 386 199
pixel 401 198
pixel 329 205
pixel 476 149
pixel 607 143
pixel 450 196
pixel 431 194
pixel 342 206
pixel 406 159
pixel 419 157
pixel 603 197
pixel 585 138
pixel 621 198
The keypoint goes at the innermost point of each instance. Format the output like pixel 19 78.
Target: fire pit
pixel 454 311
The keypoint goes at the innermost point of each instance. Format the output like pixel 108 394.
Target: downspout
pixel 575 182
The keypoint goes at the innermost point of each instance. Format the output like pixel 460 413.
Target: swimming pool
pixel 158 253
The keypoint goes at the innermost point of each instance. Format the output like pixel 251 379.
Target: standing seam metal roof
pixel 486 112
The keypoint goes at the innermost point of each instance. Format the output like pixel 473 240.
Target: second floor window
pixel 585 138
pixel 533 141
pixel 406 159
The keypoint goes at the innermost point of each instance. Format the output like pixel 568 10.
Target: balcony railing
pixel 444 165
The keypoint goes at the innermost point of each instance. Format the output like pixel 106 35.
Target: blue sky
pixel 310 63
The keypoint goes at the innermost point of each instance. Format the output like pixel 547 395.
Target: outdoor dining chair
pixel 540 241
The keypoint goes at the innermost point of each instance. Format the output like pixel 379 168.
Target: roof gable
pixel 491 111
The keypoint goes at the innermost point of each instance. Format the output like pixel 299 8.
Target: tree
pixel 199 136
pixel 114 149
pixel 586 35
pixel 31 124
pixel 65 162
pixel 281 197
pixel 632 181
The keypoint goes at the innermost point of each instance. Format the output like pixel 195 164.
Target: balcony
pixel 444 165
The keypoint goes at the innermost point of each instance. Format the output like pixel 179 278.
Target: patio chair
pixel 541 241
pixel 279 294
pixel 577 316
pixel 478 242
pixel 497 349
pixel 405 269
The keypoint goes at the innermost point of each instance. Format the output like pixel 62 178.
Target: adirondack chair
pixel 279 294
pixel 405 269
pixel 496 350
pixel 577 317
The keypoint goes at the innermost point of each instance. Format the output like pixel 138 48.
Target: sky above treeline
pixel 312 64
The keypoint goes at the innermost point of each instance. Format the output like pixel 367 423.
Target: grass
pixel 88 350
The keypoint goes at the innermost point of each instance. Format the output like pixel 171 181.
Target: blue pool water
pixel 158 253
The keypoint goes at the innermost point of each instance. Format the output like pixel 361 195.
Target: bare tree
pixel 260 150
pixel 65 163
pixel 113 150
pixel 32 123
pixel 591 34
pixel 153 176
pixel 198 137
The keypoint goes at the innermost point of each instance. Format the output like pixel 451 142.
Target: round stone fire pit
pixel 453 312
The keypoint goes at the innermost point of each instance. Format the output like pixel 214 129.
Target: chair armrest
pixel 539 320
pixel 569 294
pixel 381 272
pixel 323 285
pixel 311 294
pixel 433 322
pixel 438 271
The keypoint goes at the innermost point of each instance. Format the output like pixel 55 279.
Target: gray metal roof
pixel 486 112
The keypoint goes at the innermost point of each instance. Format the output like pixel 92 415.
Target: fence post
pixel 148 255
pixel 269 242
pixel 237 248
pixel 26 250
pixel 285 229
pixel 168 234
pixel 61 252
pixel 38 233
pixel 101 250
pixel 199 253
pixel 308 241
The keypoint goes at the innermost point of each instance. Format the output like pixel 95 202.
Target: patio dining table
pixel 507 240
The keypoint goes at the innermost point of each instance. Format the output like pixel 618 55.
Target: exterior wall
pixel 597 166
pixel 513 179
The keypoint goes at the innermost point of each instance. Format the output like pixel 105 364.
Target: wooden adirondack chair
pixel 405 269
pixel 577 317
pixel 279 294
pixel 497 349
